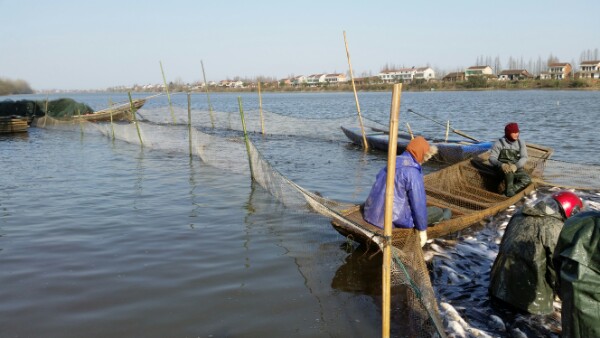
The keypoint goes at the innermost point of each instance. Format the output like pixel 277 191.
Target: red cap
pixel 511 128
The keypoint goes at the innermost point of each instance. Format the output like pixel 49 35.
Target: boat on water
pixel 449 151
pixel 471 189
pixel 120 112
pixel 13 124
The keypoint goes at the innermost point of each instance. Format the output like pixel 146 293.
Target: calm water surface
pixel 102 238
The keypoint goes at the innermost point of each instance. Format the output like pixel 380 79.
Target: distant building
pixel 407 75
pixel 335 78
pixel 454 77
pixel 478 71
pixel 315 79
pixel 589 70
pixel 514 74
pixel 559 71
pixel 298 80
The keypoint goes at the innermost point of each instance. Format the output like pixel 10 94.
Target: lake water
pixel 110 239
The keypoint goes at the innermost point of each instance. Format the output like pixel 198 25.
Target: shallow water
pixel 102 238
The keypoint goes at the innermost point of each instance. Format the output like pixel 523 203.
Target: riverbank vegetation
pixel 375 84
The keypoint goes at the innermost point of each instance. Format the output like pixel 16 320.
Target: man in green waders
pixel 509 155
pixel 577 258
pixel 523 275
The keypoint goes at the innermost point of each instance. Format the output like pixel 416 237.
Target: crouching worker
pixel 523 275
pixel 577 259
pixel 509 155
pixel 410 201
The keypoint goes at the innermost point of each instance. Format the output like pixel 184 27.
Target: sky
pixel 86 45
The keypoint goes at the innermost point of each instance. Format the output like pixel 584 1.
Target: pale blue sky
pixel 64 44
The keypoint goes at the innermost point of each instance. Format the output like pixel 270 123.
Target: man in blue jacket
pixel 410 201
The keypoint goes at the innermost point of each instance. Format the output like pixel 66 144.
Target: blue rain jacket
pixel 410 201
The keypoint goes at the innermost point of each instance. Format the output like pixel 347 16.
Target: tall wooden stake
pixel 210 108
pixel 262 121
pixel 246 138
pixel 167 89
pixel 137 125
pixel 360 121
pixel 189 102
pixel 389 205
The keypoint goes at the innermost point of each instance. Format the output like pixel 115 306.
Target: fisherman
pixel 509 155
pixel 523 274
pixel 410 204
pixel 577 258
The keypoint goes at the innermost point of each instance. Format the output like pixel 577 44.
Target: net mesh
pixel 470 188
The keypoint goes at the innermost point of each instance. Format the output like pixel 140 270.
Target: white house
pixel 335 78
pixel 407 75
pixel 478 71
pixel 298 80
pixel 315 79
pixel 425 73
pixel 589 69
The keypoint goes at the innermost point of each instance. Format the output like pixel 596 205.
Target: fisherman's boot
pixel 509 179
pixel 522 180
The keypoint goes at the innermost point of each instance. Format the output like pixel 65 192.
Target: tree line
pixel 9 87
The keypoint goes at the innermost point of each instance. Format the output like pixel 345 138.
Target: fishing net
pixel 470 189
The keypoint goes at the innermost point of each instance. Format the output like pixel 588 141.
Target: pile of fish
pixel 461 267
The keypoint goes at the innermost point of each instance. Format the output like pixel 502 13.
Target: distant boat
pixel 120 112
pixel 13 124
pixel 471 189
pixel 450 151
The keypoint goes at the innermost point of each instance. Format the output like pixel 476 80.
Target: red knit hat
pixel 510 128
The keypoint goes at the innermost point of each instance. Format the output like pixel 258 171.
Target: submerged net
pixel 214 137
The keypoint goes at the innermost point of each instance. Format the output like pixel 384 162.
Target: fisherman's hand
pixel 505 168
pixel 513 168
pixel 423 236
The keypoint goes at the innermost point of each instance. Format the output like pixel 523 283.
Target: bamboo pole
pixel 412 136
pixel 46 115
pixel 447 130
pixel 262 121
pixel 210 108
pixel 189 102
pixel 246 140
pixel 167 89
pixel 137 125
pixel 389 205
pixel 360 121
pixel 112 126
pixel 80 122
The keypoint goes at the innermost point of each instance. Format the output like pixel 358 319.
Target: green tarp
pixel 60 108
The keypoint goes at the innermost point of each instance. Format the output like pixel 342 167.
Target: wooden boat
pixel 471 189
pixel 450 151
pixel 120 112
pixel 13 124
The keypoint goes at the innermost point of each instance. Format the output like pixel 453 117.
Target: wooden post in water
pixel 389 205
pixel 137 126
pixel 80 121
pixel 167 89
pixel 210 108
pixel 246 138
pixel 189 102
pixel 447 130
pixel 46 115
pixel 260 110
pixel 360 121
pixel 112 126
